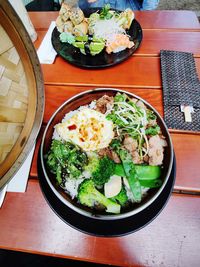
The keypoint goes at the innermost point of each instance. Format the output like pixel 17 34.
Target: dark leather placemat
pixel 180 86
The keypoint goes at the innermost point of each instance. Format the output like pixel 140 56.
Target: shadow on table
pixel 19 259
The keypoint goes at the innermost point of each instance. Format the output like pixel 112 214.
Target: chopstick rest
pixel 187 112
pixel 181 90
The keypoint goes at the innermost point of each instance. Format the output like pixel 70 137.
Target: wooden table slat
pixel 143 72
pixel 33 227
pixel 154 41
pixel 166 19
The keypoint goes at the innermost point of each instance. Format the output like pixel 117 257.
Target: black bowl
pixel 116 228
pixel 74 103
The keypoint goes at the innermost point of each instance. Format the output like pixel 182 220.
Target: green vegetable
pixel 151 183
pixel 102 170
pixel 80 45
pixel 93 163
pixel 95 45
pixel 150 115
pixel 67 38
pixel 89 196
pixel 121 198
pixel 128 118
pixel 148 171
pixel 143 171
pixel 148 175
pixel 120 97
pixel 119 170
pixel 115 144
pixel 153 130
pixel 83 38
pixel 98 40
pixel 96 48
pixel 105 14
pixel 65 158
pixel 131 174
pixel 135 185
pixel 93 18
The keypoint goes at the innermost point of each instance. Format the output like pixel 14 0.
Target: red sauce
pixel 72 127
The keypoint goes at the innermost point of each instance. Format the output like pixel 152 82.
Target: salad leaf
pixel 150 115
pixel 105 14
pixel 120 97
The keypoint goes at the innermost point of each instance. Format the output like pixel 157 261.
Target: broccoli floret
pixel 88 195
pixel 101 169
pixel 93 163
pixel 121 198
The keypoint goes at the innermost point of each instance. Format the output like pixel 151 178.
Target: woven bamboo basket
pixel 21 93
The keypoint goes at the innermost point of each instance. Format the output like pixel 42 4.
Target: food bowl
pixel 74 103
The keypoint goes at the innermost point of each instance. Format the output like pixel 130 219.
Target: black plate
pixel 102 60
pixel 106 228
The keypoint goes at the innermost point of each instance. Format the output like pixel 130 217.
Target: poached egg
pixel 88 128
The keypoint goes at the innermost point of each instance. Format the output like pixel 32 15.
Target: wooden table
pixel 28 224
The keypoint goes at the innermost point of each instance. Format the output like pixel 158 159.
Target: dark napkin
pixel 181 86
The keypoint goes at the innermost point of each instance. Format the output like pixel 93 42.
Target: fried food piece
pixel 76 16
pixel 68 26
pixel 80 29
pixel 65 12
pixel 60 24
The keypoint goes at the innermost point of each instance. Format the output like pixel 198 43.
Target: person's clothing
pixel 49 5
pixel 122 5
pixel 41 5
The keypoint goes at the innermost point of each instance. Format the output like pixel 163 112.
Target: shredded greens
pixel 132 119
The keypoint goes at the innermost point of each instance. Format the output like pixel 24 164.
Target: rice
pixel 71 186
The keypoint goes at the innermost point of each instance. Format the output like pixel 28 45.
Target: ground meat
pixel 156 150
pixel 115 157
pixel 104 104
pixel 130 144
pixel 109 153
pixel 136 157
pixel 140 104
pixel 104 152
pixel 152 123
pixel 134 100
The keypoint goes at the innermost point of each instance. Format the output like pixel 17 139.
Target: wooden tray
pixel 21 93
